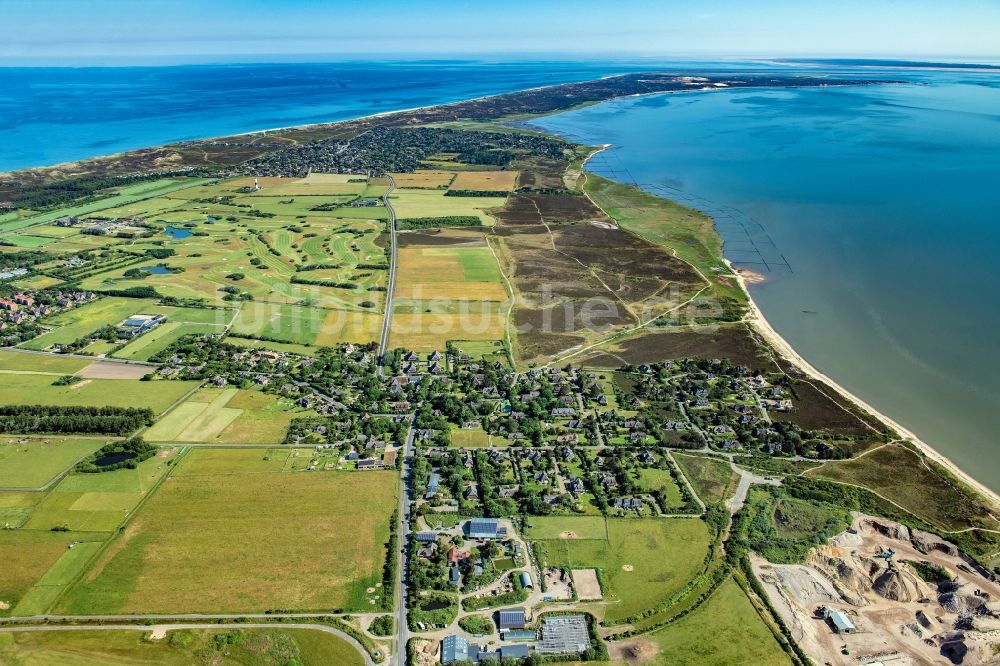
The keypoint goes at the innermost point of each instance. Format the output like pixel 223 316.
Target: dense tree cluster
pixel 94 420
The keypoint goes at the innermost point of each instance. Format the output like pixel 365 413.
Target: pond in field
pixel 177 233
pixel 157 270
pixel 113 459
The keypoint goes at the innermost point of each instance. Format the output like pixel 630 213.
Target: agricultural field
pixel 243 546
pixel 485 181
pixel 33 462
pixel 98 502
pixel 641 561
pixel 433 203
pixel 711 478
pixel 699 638
pixel 447 293
pixel 424 178
pixel 19 389
pixel 305 325
pixel 179 647
pixel 28 555
pixel 12 361
pixel 225 416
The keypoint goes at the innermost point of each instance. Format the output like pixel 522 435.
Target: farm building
pixel 526 580
pixel 139 324
pixel 564 634
pixel 426 537
pixel 511 619
pixel 483 528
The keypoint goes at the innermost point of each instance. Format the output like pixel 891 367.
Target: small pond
pixel 157 270
pixel 113 459
pixel 177 233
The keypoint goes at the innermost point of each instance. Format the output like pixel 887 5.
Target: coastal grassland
pixel 485 181
pixel 713 479
pixel 225 416
pixel 433 203
pixel 344 326
pixel 732 341
pixel 248 542
pixel 98 502
pixel 20 389
pixel 74 324
pixel 667 223
pixel 27 556
pixel 726 629
pixel 180 647
pixel 641 561
pixel 12 361
pixel 916 483
pixel 33 462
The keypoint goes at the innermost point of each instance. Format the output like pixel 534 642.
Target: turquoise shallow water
pixel 871 211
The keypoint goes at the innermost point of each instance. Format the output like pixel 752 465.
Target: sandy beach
pixel 782 347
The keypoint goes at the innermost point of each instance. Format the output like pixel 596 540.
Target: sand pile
pixel 896 585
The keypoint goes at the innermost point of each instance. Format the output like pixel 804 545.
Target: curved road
pixel 383 342
pixel 171 627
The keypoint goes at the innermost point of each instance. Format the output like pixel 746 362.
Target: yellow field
pixel 342 326
pixel 424 264
pixel 456 291
pixel 429 332
pixel 485 181
pixel 424 178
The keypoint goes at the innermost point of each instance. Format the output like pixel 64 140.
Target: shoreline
pixel 759 323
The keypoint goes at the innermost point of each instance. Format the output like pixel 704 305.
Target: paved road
pixel 746 480
pixel 383 343
pixel 171 627
pixel 93 359
pixel 405 486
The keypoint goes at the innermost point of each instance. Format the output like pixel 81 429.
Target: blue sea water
pixel 59 114
pixel 870 206
pixel 872 213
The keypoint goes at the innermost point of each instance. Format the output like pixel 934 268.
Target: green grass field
pixel 18 389
pixel 248 542
pixel 181 647
pixel 225 416
pixel 712 479
pixel 35 462
pixel 27 556
pixel 433 203
pixel 642 561
pixel 289 323
pixel 724 630
pixel 97 502
pixel 58 365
